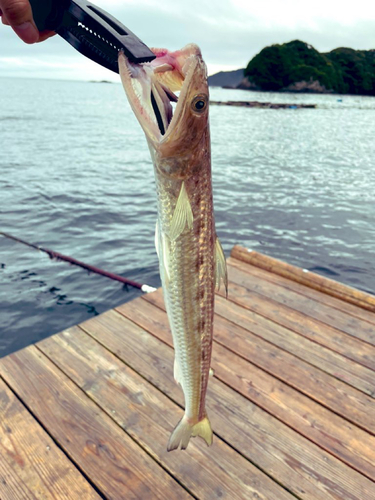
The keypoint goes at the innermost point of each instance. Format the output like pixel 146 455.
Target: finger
pixel 45 34
pixel 4 20
pixel 19 15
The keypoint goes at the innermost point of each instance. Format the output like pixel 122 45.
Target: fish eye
pixel 199 103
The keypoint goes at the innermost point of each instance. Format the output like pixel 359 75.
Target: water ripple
pixel 295 184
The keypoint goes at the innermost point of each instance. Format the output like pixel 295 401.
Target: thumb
pixel 19 15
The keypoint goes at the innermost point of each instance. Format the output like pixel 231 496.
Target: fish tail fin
pixel 184 430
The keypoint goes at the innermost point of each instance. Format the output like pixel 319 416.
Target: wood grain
pixel 306 291
pixel 292 402
pixel 31 465
pixel 289 458
pixel 149 417
pixel 323 284
pixel 328 430
pixel 251 318
pixel 352 349
pixel 314 370
pixel 331 362
pixel 107 455
pixel 362 331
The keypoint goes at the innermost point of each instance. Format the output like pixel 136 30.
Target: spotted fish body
pixel 187 267
pixel 190 256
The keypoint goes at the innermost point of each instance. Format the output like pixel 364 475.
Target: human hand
pixel 19 15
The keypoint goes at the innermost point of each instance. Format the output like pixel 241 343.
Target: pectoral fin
pixel 220 267
pixel 162 249
pixel 182 216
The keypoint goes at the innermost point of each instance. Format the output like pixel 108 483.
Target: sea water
pixel 76 177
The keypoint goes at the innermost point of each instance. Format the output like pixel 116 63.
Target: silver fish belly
pixel 187 269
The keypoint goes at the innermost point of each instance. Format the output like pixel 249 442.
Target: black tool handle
pixel 48 14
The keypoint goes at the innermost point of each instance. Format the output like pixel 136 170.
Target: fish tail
pixel 184 430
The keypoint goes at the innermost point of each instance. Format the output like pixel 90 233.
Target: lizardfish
pixel 191 259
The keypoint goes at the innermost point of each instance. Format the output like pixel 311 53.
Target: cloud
pixel 229 32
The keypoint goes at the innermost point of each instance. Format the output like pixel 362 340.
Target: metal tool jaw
pixel 90 30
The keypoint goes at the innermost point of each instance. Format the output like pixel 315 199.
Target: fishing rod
pixel 65 258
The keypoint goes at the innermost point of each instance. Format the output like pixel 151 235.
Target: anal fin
pixel 177 372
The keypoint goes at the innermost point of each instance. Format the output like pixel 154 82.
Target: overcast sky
pixel 229 32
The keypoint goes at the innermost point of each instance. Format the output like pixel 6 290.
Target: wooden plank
pixel 307 471
pixel 328 430
pixel 102 450
pixel 304 365
pixel 362 330
pixel 323 298
pixel 31 465
pixel 352 349
pixel 343 399
pixel 331 362
pixel 305 277
pixel 149 417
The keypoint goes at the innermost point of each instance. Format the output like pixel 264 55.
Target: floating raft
pixel 87 413
pixel 259 104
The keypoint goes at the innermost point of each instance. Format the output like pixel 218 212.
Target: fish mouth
pixel 151 87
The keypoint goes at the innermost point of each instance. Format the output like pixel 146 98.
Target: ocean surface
pixel 76 177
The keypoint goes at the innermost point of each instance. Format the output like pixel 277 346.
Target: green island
pixel 298 67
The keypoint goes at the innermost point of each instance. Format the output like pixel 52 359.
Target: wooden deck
pixel 87 413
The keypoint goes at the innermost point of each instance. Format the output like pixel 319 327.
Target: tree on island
pixel 298 66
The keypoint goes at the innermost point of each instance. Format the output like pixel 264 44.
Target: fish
pixel 191 259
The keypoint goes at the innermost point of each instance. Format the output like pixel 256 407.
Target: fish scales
pixel 189 290
pixel 191 259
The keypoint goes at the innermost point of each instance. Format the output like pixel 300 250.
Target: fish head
pixel 175 134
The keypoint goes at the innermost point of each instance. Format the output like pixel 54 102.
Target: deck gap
pixel 321 321
pixel 265 409
pixel 295 430
pixel 180 406
pixel 296 388
pixel 275 376
pixel 262 407
pixel 110 415
pixel 326 285
pixel 261 469
pixel 242 266
pixel 74 464
pixel 299 333
pixel 372 394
